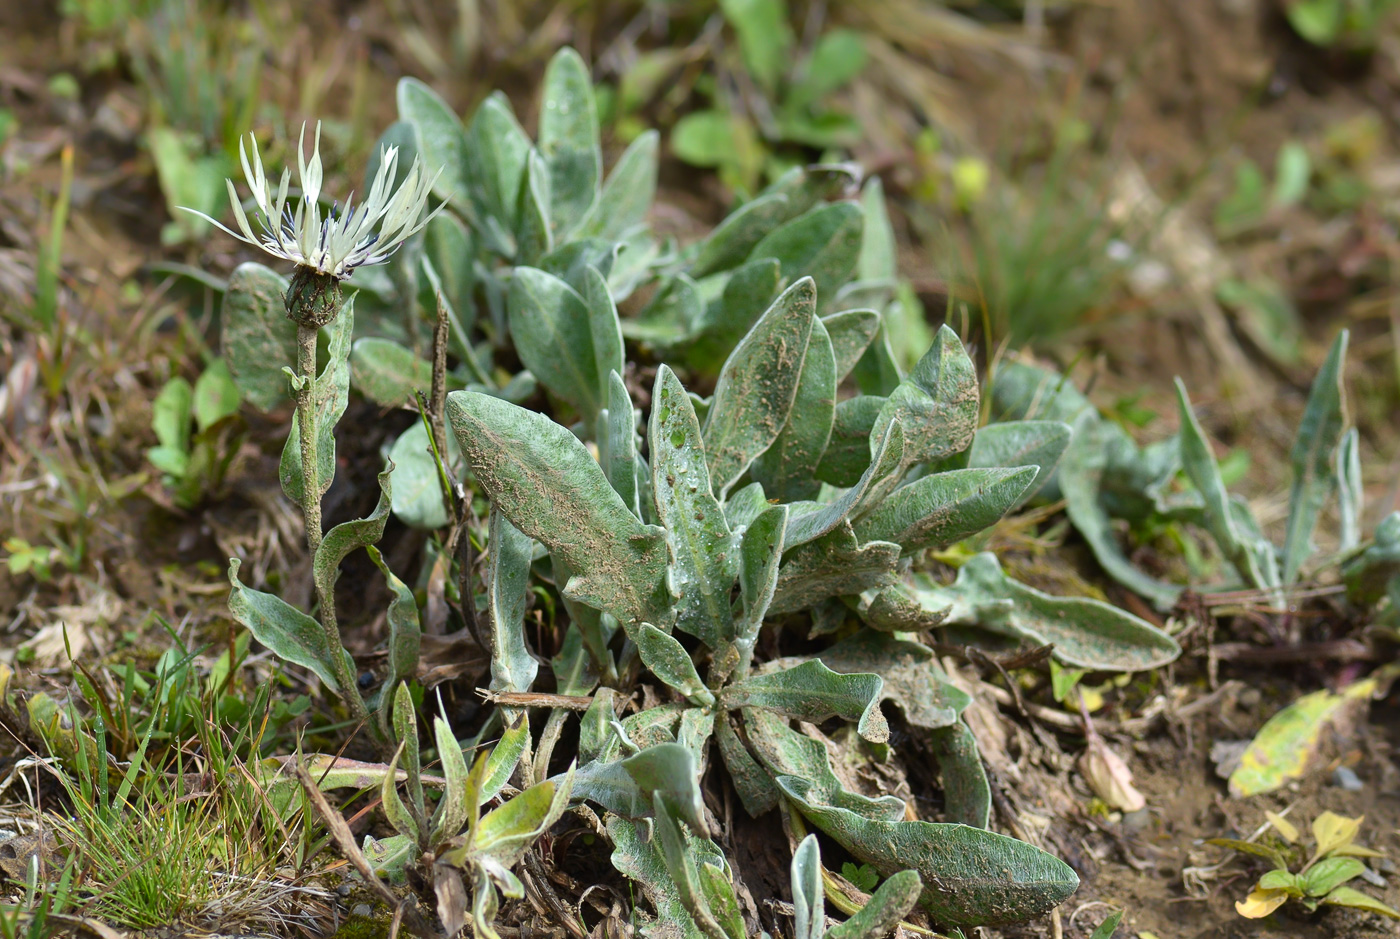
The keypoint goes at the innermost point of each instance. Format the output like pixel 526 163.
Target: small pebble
pixel 1137 821
pixel 1346 777
pixel 362 910
pixel 344 890
pixel 1372 878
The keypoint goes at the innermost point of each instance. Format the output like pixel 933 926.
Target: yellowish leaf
pixel 1283 826
pixel 1260 903
pixel 1289 745
pixel 1332 831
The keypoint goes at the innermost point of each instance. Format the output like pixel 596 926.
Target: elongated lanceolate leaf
pixel 967 797
pixel 554 332
pixel 732 240
pixel 258 339
pixel 762 553
pixel 822 244
pixel 848 453
pixel 637 855
pixel 971 877
pixel 627 195
pixel 704 552
pixel 1086 633
pixel 753 783
pixel 810 521
pixel 497 155
pixel 626 787
pixel 1319 435
pixel 834 565
pixel 808 900
pixel 507 832
pixel 550 487
pixel 937 403
pixel 617 443
pixel 569 139
pixel 534 237
pixel 890 903
pixel 750 290
pixel 945 508
pixel 851 332
pixel 812 692
pixel 757 385
pixel 289 633
pixel 405 628
pixel 440 137
pixel 669 661
pixel 513 668
pixel 1021 443
pixel 785 468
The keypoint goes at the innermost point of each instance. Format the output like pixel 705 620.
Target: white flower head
pixel 344 238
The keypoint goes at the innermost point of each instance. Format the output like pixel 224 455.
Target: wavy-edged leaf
pixel 1319 435
pixel 347 536
pixel 405 629
pixel 971 877
pixel 330 393
pixel 507 578
pixel 289 633
pixel 756 387
pixel 569 139
pixel 937 402
pixel 812 692
pixel 258 340
pixel 785 468
pixel 912 677
pixel 944 508
pixel 1086 633
pixel 704 552
pixel 834 565
pixel 552 489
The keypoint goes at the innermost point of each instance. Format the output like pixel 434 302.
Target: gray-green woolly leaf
pixel 744 506
pixel 823 244
pixel 1021 443
pixel 439 135
pixel 753 783
pixel 330 394
pixel 505 756
pixel 497 155
pixel 685 860
pixel 405 725
pixel 626 787
pixel 569 139
pixel 574 671
pixel 1081 481
pixel 258 340
pixel 878 372
pixel 628 193
pixel 896 609
pixel 877 261
pixel 291 635
pixel 551 488
pixel 762 553
pixel 617 443
pixel 1347 470
pixel 943 509
pixel 637 855
pixel 394 809
pixel 1220 520
pixel 670 316
pixel 1368 576
pixel 417 498
pixel 554 332
pixel 847 454
pixel 811 521
pixel 569 262
pixel 734 238
pixel 604 330
pixel 596 627
pixel 507 578
pixel 386 372
pixel 535 235
pixel 1027 392
pixel 405 629
pixel 750 290
pixel 890 903
pixel 834 565
pixel 704 552
pixel 655 725
pixel 851 332
pixel 1319 434
pixel 756 387
pixel 786 752
pixel 913 679
pixel 451 813
pixel 967 798
pixel 506 833
pixel 785 468
pixel 1087 633
pixel 808 900
pixel 812 692
pixel 697 725
pixel 669 661
pixel 937 403
pixel 971 877
pixel 595 726
pixel 347 536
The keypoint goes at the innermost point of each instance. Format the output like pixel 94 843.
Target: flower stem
pixel 307 426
